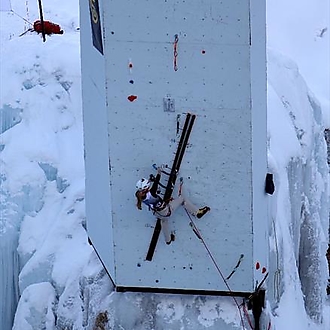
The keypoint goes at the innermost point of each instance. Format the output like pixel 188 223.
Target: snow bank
pixel 61 283
pixel 36 308
pixel 301 222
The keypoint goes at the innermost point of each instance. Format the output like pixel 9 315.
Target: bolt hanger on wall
pixel 130 66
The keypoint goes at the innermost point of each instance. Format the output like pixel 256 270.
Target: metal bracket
pixel 169 104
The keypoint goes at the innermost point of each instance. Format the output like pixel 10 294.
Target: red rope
pixel 247 316
pixel 269 325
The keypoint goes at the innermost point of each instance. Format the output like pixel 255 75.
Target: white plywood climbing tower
pixel 145 64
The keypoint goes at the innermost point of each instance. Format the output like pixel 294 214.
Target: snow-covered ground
pixel 42 220
pixel 300 30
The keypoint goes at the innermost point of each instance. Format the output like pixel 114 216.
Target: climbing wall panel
pixel 163 59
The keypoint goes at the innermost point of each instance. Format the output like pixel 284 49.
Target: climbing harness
pixel 156 212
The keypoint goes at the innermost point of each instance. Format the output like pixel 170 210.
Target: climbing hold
pixel 203 51
pixel 257 265
pixel 132 98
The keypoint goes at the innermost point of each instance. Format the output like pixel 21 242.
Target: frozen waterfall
pixel 9 266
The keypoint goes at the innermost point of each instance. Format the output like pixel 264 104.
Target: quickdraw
pixel 175 52
pixel 235 268
pixel 156 211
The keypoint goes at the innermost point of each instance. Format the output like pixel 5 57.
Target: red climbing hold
pixel 132 98
pixel 257 265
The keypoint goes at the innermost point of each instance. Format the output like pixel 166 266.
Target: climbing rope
pixel 24 19
pixel 175 52
pixel 247 316
pixel 198 234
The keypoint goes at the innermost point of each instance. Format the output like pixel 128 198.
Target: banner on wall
pixel 96 25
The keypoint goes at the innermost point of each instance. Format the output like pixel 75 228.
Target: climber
pixel 49 27
pixel 147 193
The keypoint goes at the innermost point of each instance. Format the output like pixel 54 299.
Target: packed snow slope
pixel 50 276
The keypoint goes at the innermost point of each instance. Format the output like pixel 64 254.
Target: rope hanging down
pixel 198 234
pixel 21 17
